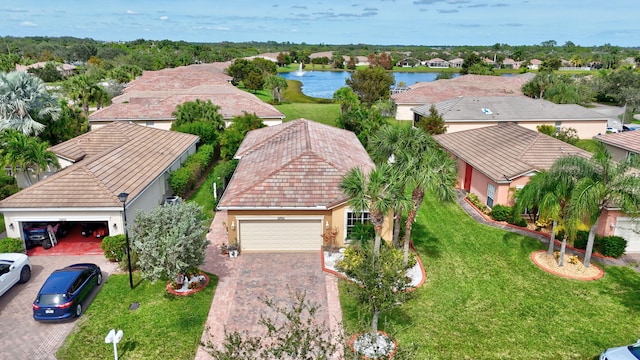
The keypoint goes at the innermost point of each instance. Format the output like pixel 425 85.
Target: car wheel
pixel 46 244
pixel 78 310
pixel 99 279
pixel 25 274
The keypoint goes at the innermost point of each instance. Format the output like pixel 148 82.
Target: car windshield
pixel 52 299
pixel 634 350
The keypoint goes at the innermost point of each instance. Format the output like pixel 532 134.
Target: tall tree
pixel 371 84
pixel 84 90
pixel 370 192
pixel 24 100
pixel 432 124
pixel 26 154
pixel 600 182
pixel 346 98
pixel 199 118
pixel 276 85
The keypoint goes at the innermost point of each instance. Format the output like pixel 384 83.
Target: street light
pixel 123 199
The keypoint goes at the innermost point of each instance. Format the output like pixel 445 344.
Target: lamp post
pixel 123 199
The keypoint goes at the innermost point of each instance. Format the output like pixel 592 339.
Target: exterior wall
pixel 586 129
pixel 607 222
pixel 403 111
pixel 157 124
pixel 616 153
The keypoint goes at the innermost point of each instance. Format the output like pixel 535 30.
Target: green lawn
pixel 485 299
pixel 164 327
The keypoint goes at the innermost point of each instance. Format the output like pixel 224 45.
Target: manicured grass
pixel 164 327
pixel 587 144
pixel 323 113
pixel 485 299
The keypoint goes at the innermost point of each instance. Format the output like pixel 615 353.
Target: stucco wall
pixel 403 111
pixel 585 129
pixel 616 153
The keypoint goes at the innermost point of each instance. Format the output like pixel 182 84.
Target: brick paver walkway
pixel 243 280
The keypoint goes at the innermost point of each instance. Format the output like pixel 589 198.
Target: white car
pixel 629 352
pixel 14 268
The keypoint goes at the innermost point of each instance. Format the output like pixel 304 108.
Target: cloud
pixel 458 1
pixel 500 5
pixel 426 2
pixel 28 23
pixel 370 9
pixel 448 11
pixel 512 24
pixel 222 28
pixel 299 7
pixel 477 5
pixel 164 18
pixel 131 12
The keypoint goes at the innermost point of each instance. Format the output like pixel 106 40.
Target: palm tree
pixel 84 90
pixel 26 154
pixel 422 166
pixel 371 193
pixel 599 183
pixel 24 99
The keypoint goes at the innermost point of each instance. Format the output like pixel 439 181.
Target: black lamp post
pixel 123 199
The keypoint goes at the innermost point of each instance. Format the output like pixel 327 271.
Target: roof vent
pixel 486 111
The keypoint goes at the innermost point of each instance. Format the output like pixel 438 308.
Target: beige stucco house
pixel 285 195
pixel 473 112
pixel 621 145
pixel 151 99
pixel 97 166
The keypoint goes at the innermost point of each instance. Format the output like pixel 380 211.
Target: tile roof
pixel 507 108
pixel 627 140
pixel 118 157
pixel 466 85
pixel 297 164
pixel 506 151
pixel 155 95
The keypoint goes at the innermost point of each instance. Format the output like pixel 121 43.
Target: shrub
pixel 473 198
pixel 517 221
pixel 114 247
pixel 353 256
pixel 12 245
pixel 613 246
pixel 500 212
pixel 582 237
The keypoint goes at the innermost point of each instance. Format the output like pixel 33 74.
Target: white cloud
pixel 164 18
pixel 28 23
pixel 222 28
pixel 131 12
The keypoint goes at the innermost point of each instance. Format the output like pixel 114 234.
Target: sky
pixel 376 22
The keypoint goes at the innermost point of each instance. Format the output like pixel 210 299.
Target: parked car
pixel 14 269
pixel 611 130
pixel 630 127
pixel 629 352
pixel 37 234
pixel 63 294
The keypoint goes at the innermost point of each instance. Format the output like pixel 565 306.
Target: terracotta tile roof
pixel 155 95
pixel 626 140
pixel 506 151
pixel 297 164
pixel 507 108
pixel 466 85
pixel 119 157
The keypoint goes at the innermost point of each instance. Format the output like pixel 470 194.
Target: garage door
pixel 280 235
pixel 629 229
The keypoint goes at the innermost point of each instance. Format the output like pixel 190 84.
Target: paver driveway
pixel 243 280
pixel 21 337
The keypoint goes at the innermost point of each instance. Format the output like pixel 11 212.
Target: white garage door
pixel 629 229
pixel 280 235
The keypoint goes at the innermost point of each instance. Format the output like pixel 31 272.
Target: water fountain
pixel 300 72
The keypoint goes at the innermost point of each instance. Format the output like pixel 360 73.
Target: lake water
pixel 322 84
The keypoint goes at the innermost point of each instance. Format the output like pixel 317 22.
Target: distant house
pixel 509 63
pixel 152 98
pixel 456 63
pixel 467 85
pixel 473 112
pixel 534 64
pixel 63 69
pixel 437 63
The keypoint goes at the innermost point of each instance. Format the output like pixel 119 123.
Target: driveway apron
pixel 244 280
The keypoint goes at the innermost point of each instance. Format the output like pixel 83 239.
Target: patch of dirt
pixel 574 271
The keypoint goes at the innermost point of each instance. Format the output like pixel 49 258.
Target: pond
pixel 322 84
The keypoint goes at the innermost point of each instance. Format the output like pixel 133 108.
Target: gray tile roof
pixel 297 164
pixel 117 157
pixel 508 108
pixel 507 151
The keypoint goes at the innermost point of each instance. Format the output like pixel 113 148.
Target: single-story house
pixel 494 161
pixel 509 63
pixel 285 193
pixel 97 167
pixel 456 63
pixel 467 85
pixel 472 112
pixel 622 145
pixel 151 99
pixel 437 63
pixel 63 69
pixel 534 64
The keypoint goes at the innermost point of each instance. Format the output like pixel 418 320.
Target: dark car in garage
pixel 63 295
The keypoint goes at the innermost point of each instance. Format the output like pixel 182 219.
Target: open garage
pixel 629 229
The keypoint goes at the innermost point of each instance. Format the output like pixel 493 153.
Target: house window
pixel 558 126
pixel 491 192
pixel 149 123
pixel 356 218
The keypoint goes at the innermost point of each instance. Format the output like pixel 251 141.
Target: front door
pixel 467 178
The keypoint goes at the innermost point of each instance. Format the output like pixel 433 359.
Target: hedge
pixel 12 245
